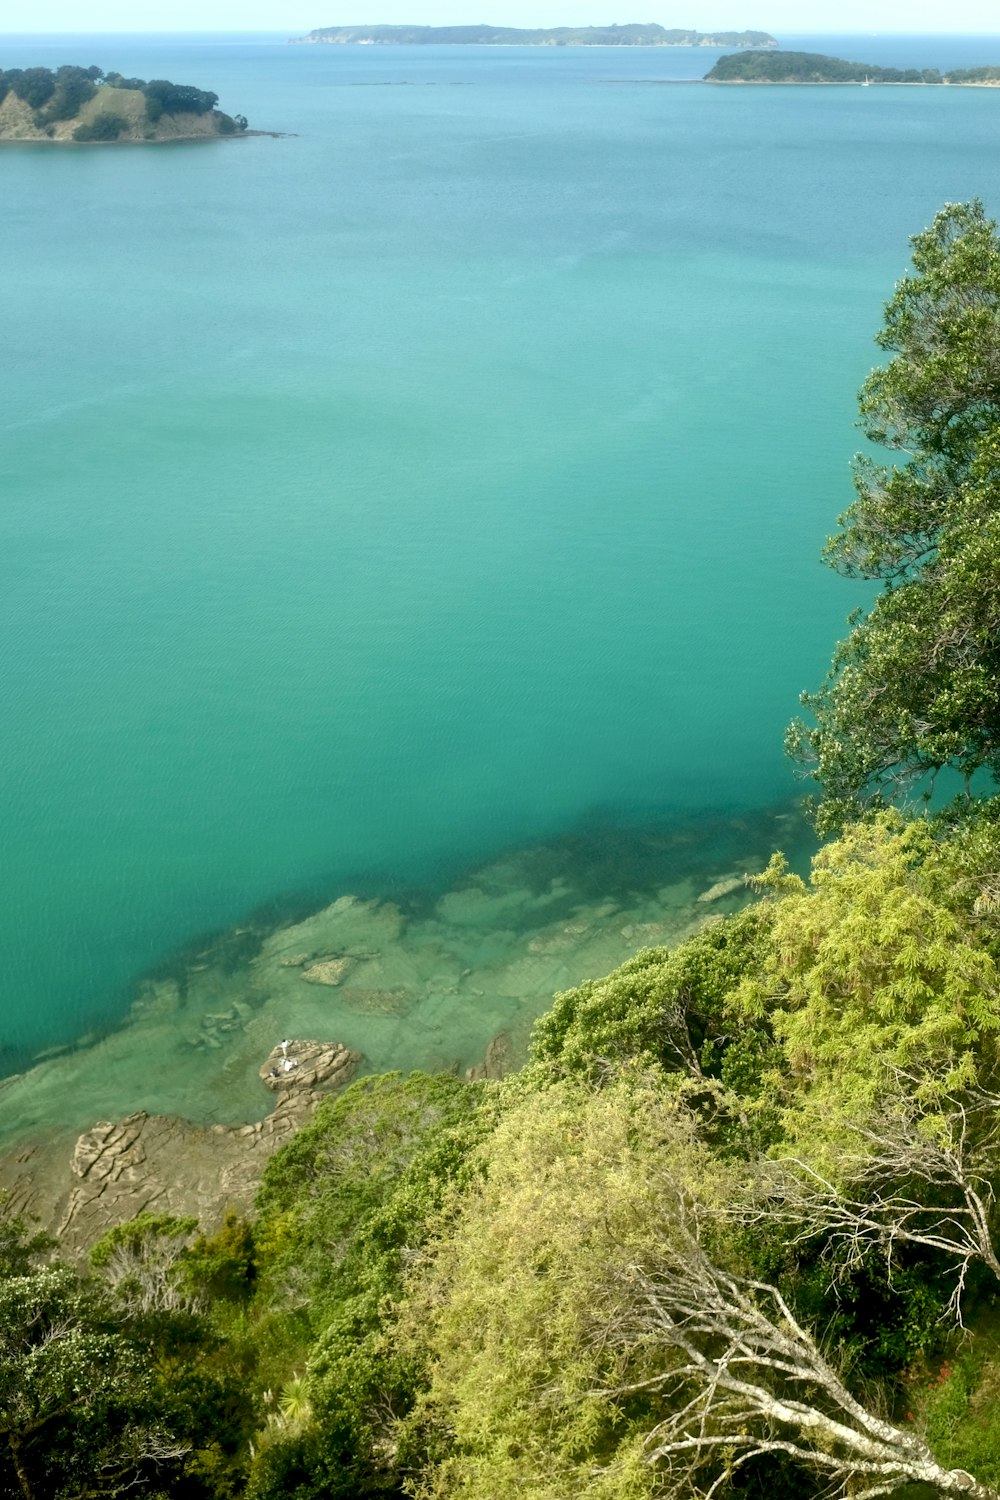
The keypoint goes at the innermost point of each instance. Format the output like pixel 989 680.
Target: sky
pixel 294 17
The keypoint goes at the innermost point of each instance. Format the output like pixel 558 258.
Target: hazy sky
pixel 295 16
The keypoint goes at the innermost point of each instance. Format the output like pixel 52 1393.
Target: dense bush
pixel 106 126
pixel 163 97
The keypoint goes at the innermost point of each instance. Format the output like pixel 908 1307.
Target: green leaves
pixel 869 974
pixel 915 688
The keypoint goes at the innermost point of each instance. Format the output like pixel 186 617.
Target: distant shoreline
pixel 823 83
pixel 163 140
pixel 784 83
pixel 628 34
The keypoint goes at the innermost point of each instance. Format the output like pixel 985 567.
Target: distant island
pixel 634 34
pixel 73 104
pixel 816 67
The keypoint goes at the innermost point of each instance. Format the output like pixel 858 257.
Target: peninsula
pixel 71 104
pixel 633 34
pixel 815 67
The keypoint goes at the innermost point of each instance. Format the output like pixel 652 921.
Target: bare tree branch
pixel 747 1379
pixel 918 1177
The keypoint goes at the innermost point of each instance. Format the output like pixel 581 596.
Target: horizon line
pixel 283 30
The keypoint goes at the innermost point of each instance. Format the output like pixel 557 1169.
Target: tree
pixel 915 688
pixel 590 1328
pixel 143 1262
pixel 34 85
pixel 74 1394
pixel 866 971
pixel 106 126
pixel 749 1381
pixel 343 1207
pixel 916 1177
pixel 664 1006
pixel 514 1306
pixel 164 97
pixel 74 87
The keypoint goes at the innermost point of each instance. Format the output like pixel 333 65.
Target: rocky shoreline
pixel 162 1164
pixel 180 1091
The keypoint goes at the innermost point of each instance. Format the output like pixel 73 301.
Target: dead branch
pixel 746 1379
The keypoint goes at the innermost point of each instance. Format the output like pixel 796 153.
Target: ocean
pixel 435 488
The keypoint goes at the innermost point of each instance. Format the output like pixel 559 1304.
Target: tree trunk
pixel 19 1469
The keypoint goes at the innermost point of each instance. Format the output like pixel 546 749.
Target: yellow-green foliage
pixel 512 1306
pixel 661 1006
pixel 866 973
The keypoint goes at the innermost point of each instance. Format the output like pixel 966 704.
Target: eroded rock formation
pixel 162 1164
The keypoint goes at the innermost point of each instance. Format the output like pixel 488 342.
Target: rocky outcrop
pixel 163 1164
pixel 728 885
pixel 295 1069
pixel 497 1061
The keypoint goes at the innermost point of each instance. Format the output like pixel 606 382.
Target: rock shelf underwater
pixel 439 984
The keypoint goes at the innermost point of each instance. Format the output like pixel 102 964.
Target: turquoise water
pixel 444 477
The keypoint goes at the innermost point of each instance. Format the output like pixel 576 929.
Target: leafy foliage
pixel 915 688
pixel 341 1207
pixel 865 975
pixel 511 1306
pixel 106 126
pixel 663 1006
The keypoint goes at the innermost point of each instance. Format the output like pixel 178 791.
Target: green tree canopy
pixel 915 687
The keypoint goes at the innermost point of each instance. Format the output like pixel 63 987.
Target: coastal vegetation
pixel 816 67
pixel 732 1228
pixel 974 75
pixel 86 104
pixel 632 34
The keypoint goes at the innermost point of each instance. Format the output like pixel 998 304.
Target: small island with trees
pixel 71 104
pixel 760 66
pixel 633 34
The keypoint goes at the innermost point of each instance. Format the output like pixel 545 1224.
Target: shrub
pixel 107 126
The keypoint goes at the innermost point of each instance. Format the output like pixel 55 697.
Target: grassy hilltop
pixel 86 104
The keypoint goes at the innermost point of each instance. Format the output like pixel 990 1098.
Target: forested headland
pixel 86 104
pixel 732 1230
pixel 632 34
pixel 816 67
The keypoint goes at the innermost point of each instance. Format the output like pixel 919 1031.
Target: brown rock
pixel 304 1067
pixel 496 1062
pixel 158 1162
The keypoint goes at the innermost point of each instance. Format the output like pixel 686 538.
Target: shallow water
pixel 414 983
pixel 427 484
